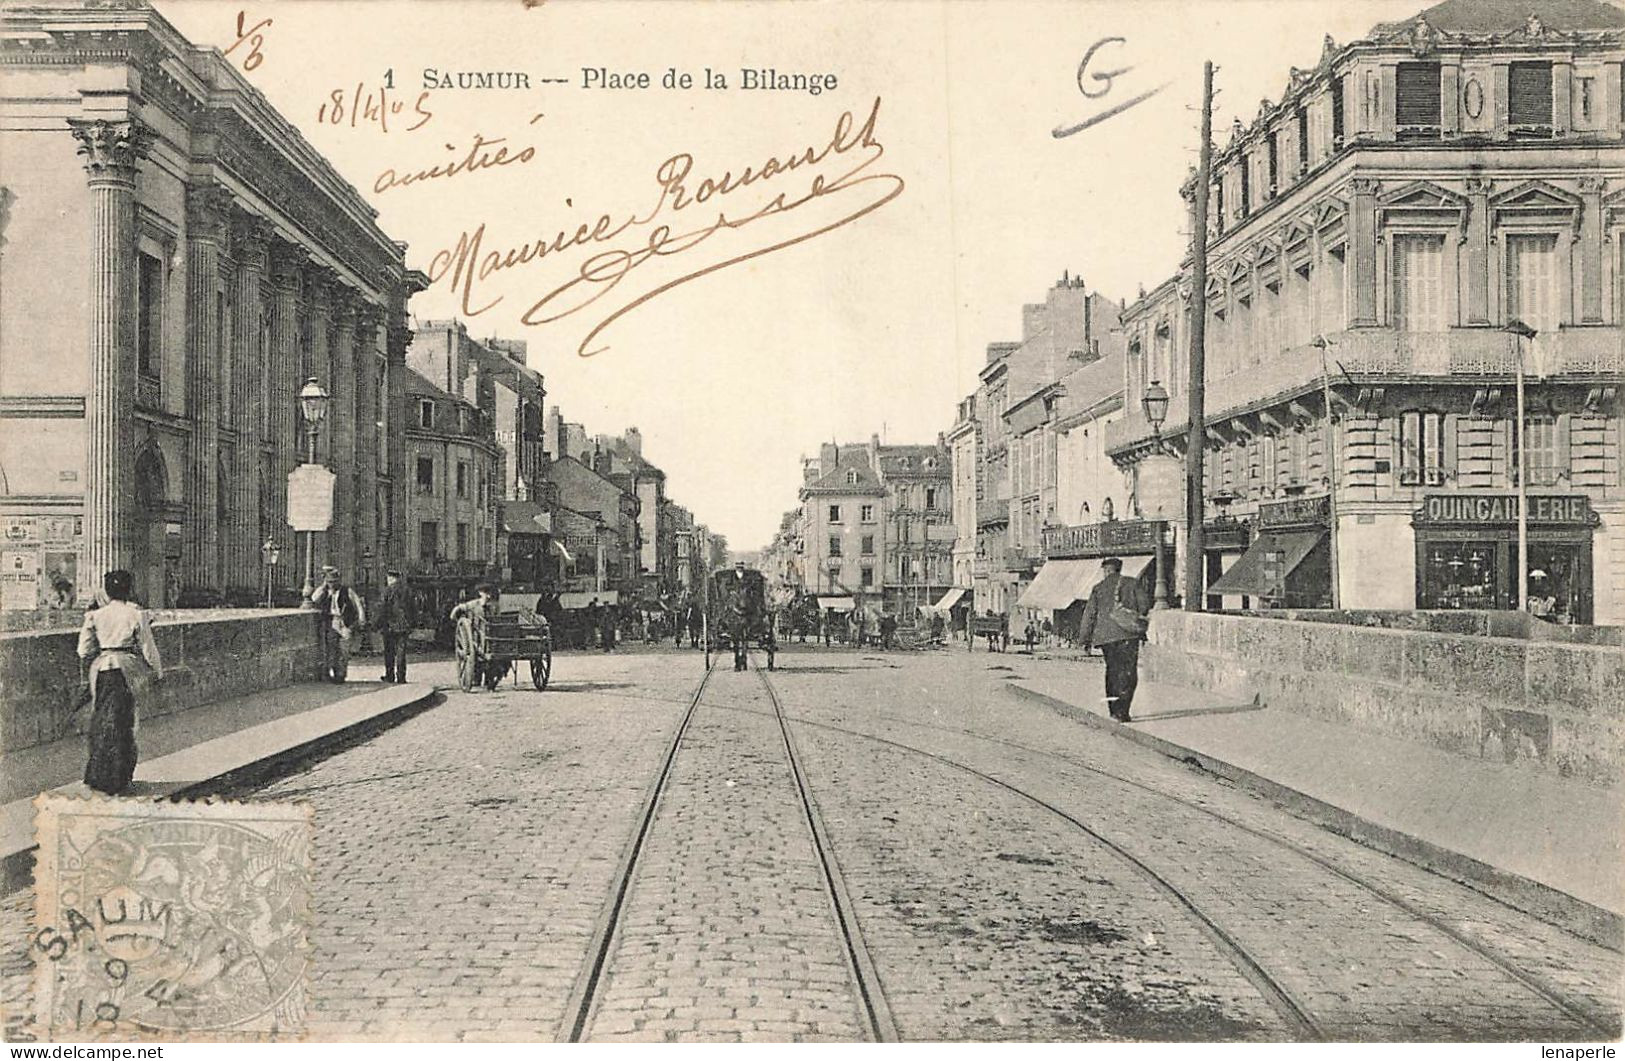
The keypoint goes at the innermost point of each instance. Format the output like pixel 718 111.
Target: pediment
pixel 1536 195
pixel 1330 211
pixel 1423 195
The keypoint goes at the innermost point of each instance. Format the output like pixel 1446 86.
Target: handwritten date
pixel 365 107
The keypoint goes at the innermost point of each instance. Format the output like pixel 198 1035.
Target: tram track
pixel 1296 1014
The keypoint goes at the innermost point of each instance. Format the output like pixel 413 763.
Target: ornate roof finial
pixel 1422 38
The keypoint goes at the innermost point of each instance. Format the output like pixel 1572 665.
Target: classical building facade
pixel 177 261
pixel 1409 197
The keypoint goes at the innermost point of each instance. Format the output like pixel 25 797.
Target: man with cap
pixel 1114 619
pixel 342 614
pixel 395 617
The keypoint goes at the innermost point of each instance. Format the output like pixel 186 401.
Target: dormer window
pixel 851 478
pixel 1417 101
pixel 426 414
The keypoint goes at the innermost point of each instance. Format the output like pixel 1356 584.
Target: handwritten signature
pixel 1105 78
pixel 254 38
pixel 662 233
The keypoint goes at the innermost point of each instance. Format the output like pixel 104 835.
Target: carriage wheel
pixel 464 642
pixel 541 669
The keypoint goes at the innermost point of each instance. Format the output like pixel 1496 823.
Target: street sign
pixel 310 498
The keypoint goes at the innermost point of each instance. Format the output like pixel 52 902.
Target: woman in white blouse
pixel 114 642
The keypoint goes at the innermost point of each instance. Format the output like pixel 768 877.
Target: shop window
pixel 1529 103
pixel 1541 452
pixel 1421 449
pixel 1418 295
pixel 1531 285
pixel 1417 100
pixel 425 475
pixel 1460 575
pixel 150 322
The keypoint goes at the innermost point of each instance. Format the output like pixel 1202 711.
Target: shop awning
pixel 573 600
pixel 1059 583
pixel 1264 567
pixel 839 604
pixel 948 600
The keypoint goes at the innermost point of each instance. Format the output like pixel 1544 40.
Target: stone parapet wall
pixel 207 657
pixel 1549 706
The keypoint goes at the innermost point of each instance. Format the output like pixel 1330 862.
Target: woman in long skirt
pixel 115 641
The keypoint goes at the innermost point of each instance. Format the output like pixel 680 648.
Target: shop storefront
pixel 1071 567
pixel 1467 553
pixel 1224 542
pixel 1288 564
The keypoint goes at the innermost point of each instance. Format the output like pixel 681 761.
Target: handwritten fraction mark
pixel 254 57
pixel 1104 80
pixel 539 117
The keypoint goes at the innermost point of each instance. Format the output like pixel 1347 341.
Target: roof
pixel 1506 16
pixel 893 458
pixel 525 517
pixel 419 384
pixel 854 458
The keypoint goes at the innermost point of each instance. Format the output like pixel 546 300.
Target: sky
pixel 866 308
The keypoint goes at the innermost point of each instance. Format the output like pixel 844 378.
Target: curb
pixel 17 867
pixel 1541 901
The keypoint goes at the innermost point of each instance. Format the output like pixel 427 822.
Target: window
pixel 1244 207
pixel 425 413
pixel 835 513
pixel 1532 280
pixel 867 577
pixel 150 323
pixel 851 478
pixel 835 545
pixel 425 475
pixel 1540 441
pixel 868 546
pixel 428 541
pixel 1338 130
pixel 462 478
pixel 930 498
pixel 1419 283
pixel 1529 103
pixel 1421 446
pixel 1416 99
pixel 462 419
pixel 1302 118
pixel 1218 202
pixel 1274 164
pixel 462 540
pixel 867 513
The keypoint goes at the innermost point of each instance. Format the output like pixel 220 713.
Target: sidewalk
pixel 1533 840
pixel 184 751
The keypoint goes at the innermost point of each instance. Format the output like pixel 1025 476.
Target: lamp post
pixel 313 406
pixel 1521 332
pixel 1319 342
pixel 1155 402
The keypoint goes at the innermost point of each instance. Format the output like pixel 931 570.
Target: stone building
pixel 455 467
pixel 177 261
pixel 1411 195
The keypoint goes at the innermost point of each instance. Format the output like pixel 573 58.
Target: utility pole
pixel 1196 436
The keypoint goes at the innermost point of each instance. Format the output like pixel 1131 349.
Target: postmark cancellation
pixel 155 917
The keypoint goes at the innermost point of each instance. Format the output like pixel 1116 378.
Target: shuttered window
pixel 1532 280
pixel 1419 283
pixel 1275 163
pixel 1303 140
pixel 1416 98
pixel 1530 97
pixel 1337 113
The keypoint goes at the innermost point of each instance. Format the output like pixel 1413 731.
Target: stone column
pixel 286 261
pixel 1477 272
pixel 1590 240
pixel 1363 249
pixel 207 210
pixel 111 151
pixel 395 413
pixel 341 414
pixel 249 236
pixel 366 484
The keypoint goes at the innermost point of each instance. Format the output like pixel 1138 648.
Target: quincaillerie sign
pixel 1503 508
pixel 1103 539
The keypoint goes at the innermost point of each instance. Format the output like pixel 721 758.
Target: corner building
pixel 1411 194
pixel 177 260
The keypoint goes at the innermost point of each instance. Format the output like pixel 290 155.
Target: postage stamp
pixel 170 918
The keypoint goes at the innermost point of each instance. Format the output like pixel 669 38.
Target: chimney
pixel 829 455
pixel 634 441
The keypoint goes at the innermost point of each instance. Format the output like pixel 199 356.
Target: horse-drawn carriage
pixel 738 615
pixel 488 644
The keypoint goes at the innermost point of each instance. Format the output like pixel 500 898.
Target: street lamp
pixel 313 405
pixel 1520 333
pixel 1155 403
pixel 270 553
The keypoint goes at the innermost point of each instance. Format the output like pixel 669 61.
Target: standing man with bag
pixel 1115 619
pixel 395 616
pixel 342 614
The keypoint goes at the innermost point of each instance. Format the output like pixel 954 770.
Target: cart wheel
pixel 464 642
pixel 541 669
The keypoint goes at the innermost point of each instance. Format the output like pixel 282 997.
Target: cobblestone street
pixel 972 866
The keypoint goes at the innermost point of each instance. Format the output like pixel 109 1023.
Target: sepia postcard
pixel 812 521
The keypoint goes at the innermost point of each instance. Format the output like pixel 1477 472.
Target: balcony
pixel 992 511
pixel 1386 356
